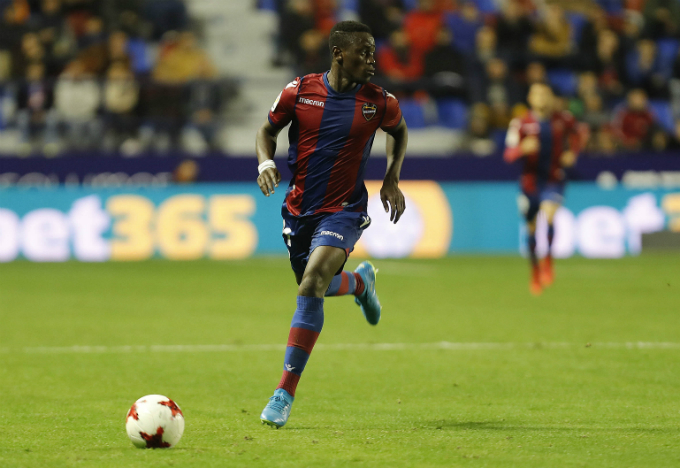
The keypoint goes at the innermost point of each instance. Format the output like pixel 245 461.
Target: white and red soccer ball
pixel 154 421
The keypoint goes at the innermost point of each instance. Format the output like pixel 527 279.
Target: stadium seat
pixel 577 22
pixel 351 5
pixel 413 113
pixel 664 114
pixel 410 4
pixel 667 50
pixel 267 5
pixel 452 113
pixel 486 6
pixel 563 80
pixel 611 6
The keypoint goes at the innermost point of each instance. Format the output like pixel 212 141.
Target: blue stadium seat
pixel 413 113
pixel 667 50
pixel 267 4
pixel 563 81
pixel 352 5
pixel 664 114
pixel 611 6
pixel 410 4
pixel 452 113
pixel 486 6
pixel 577 22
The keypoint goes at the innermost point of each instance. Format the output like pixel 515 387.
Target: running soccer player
pixel 548 140
pixel 334 118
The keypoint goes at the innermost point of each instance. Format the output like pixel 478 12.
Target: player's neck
pixel 339 82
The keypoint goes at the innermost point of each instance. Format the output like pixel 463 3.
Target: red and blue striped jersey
pixel 330 141
pixel 556 135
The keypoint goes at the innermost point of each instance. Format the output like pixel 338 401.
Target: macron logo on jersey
pixel 311 102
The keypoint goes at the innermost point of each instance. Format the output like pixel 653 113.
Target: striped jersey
pixel 330 136
pixel 555 135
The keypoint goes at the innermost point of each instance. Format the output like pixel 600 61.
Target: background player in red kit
pixel 334 117
pixel 548 140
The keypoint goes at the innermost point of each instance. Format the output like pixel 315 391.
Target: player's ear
pixel 336 54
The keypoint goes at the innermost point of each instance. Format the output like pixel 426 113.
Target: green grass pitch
pixel 541 382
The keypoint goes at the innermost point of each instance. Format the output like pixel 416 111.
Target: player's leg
pixel 549 209
pixel 306 325
pixel 346 283
pixel 531 204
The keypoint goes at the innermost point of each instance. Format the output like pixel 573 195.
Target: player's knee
pixel 313 284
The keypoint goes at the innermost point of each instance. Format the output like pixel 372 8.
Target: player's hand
pixel 391 196
pixel 268 180
pixel 568 159
pixel 529 145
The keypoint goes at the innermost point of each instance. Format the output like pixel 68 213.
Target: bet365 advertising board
pixel 234 221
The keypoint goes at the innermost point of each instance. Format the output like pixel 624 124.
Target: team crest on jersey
pixel 369 110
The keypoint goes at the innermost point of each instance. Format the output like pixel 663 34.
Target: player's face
pixel 359 59
pixel 541 98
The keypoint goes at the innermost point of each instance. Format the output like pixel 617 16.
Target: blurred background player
pixel 548 141
pixel 334 118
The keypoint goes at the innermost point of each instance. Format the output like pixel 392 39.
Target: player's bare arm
pixel 390 194
pixel 265 147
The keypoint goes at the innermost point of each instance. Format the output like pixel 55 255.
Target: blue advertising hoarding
pixel 234 220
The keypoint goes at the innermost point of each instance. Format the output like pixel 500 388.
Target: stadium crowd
pixel 467 64
pixel 122 75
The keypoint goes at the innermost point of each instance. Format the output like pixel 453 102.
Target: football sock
pixel 304 330
pixel 346 282
pixel 532 249
pixel 551 236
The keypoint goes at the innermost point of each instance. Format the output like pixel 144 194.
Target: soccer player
pixel 334 117
pixel 548 141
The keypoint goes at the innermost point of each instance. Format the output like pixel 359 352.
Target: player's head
pixel 353 50
pixel 541 98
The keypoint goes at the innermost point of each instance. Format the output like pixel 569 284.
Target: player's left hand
pixel 391 196
pixel 568 159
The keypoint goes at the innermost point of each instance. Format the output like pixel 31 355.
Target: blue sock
pixel 304 331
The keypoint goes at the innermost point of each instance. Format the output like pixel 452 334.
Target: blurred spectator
pixel 534 73
pixel 465 22
pixel 77 97
pixel 53 31
pixel 609 64
pixel 31 51
pixel 35 113
pixel 445 67
pixel 325 15
pixel 93 33
pixel 313 53
pixel 165 15
pixel 184 62
pixel 552 39
pixel 485 50
pixel 674 140
pixel 421 26
pixel 382 16
pixel 186 172
pixel 500 92
pixel 513 29
pixel 201 132
pixel 121 96
pixel 589 36
pixel 662 18
pixel 643 70
pixel 635 124
pixel 478 139
pixel 633 23
pixel 297 17
pixel 399 60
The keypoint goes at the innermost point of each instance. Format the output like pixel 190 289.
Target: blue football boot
pixel 368 300
pixel 278 409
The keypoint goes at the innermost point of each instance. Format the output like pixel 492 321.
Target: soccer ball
pixel 154 421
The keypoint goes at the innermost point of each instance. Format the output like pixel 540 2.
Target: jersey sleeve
pixel 392 113
pixel 512 140
pixel 283 110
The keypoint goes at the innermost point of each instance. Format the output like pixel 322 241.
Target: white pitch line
pixel 442 345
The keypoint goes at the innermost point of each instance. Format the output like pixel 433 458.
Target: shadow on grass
pixel 513 426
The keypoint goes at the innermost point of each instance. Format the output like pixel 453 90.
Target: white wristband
pixel 268 164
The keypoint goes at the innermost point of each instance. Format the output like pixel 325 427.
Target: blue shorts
pixel 304 234
pixel 553 192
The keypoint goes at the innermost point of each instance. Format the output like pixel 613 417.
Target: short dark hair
pixel 342 32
